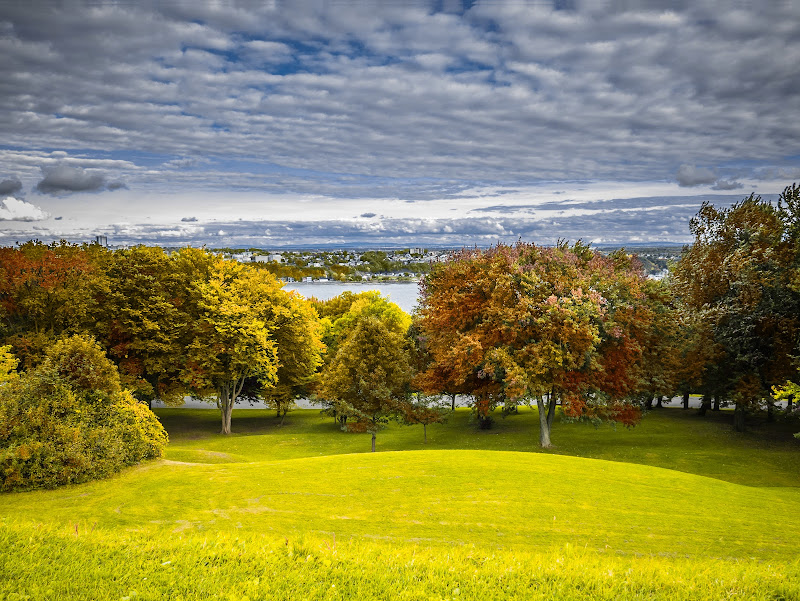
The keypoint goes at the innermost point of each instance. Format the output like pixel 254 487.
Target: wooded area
pixel 563 326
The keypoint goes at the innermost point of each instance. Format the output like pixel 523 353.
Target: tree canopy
pixel 230 336
pixel 369 376
pixel 526 323
pixel 739 279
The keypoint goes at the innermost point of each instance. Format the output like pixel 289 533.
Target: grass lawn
pixel 672 438
pixel 304 511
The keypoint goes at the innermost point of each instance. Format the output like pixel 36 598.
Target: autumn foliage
pixel 739 284
pixel 522 324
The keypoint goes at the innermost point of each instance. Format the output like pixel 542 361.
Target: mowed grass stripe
pixel 462 497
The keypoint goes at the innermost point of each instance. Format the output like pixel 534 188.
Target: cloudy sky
pixel 350 122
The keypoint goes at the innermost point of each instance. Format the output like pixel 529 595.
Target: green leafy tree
pixel 144 321
pixel 8 364
pixel 740 279
pixel 68 421
pixel 369 376
pixel 297 334
pixel 80 362
pixel 661 360
pixel 425 410
pixel 339 316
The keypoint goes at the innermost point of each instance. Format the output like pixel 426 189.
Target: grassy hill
pixel 303 511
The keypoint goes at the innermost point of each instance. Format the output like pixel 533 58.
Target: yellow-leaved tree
pixel 369 377
pixel 231 334
pixel 8 364
pixel 297 333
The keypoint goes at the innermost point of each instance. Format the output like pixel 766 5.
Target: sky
pixel 356 123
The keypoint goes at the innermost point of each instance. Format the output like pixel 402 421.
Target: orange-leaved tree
pixel 46 290
pixel 515 324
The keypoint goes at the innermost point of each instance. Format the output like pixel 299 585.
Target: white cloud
pixel 12 209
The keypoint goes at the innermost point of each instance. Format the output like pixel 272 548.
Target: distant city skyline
pixel 364 124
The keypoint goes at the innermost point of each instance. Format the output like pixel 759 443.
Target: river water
pixel 404 294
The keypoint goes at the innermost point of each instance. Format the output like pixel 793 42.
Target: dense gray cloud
pixel 689 175
pixel 64 179
pixel 723 184
pixel 499 90
pixel 638 205
pixel 10 187
pixel 403 101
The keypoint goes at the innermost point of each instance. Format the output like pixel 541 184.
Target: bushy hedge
pixel 54 432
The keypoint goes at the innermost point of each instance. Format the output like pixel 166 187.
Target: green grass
pixel 47 564
pixel 482 512
pixel 671 438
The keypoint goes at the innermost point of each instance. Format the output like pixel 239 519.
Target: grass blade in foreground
pixel 40 563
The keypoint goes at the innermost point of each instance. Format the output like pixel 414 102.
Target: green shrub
pixel 54 431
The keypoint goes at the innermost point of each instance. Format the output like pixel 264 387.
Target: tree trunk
pixel 226 408
pixel 770 410
pixel 659 401
pixel 551 411
pixel 685 400
pixel 227 395
pixel 738 418
pixel 648 404
pixel 283 417
pixel 789 402
pixel 373 442
pixel 716 403
pixel 425 433
pixel 544 426
pixel 705 405
pixel 453 400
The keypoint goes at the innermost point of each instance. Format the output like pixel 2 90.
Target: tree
pixel 68 420
pixel 369 376
pixel 144 322
pixel 47 290
pixel 8 364
pixel 339 316
pixel 522 323
pixel 740 279
pixel 429 374
pixel 80 362
pixel 341 313
pixel 788 392
pixel 423 409
pixel 661 361
pixel 230 337
pixel 297 334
